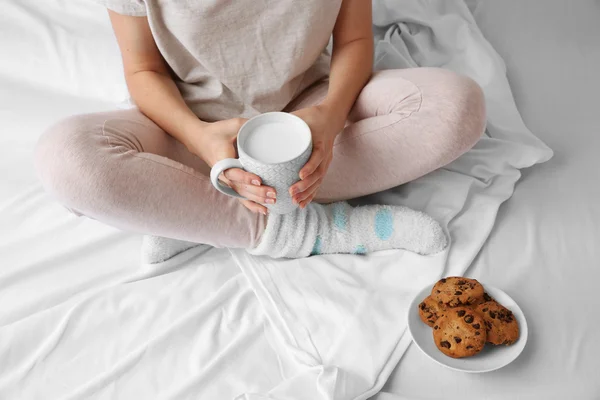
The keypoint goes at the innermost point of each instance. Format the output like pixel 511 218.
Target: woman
pixel 197 69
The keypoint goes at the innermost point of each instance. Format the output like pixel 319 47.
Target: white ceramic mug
pixel 274 146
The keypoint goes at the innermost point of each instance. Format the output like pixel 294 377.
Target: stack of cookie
pixel 464 317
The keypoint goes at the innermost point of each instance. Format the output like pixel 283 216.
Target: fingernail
pixel 255 182
pixel 295 201
pixel 271 195
pixel 264 212
pixel 293 192
pixel 270 201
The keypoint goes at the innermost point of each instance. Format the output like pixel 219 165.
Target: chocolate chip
pixel 437 291
pixel 445 344
pixel 476 326
pixel 488 325
pixel 443 280
pixel 461 313
pixel 430 315
pixel 477 333
pixel 430 321
pixel 492 315
pixel 435 327
pixel 422 306
pixel 457 293
pixel 457 339
pixel 461 282
pixel 486 297
pixel 485 309
pixel 469 347
pixel 468 319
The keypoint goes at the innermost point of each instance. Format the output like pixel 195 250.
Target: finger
pixel 308 192
pixel 305 183
pixel 313 163
pixel 254 207
pixel 247 181
pixel 239 175
pixel 258 194
pixel 307 201
pixel 317 175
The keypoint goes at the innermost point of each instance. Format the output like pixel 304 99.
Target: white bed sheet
pixel 65 46
pixel 43 248
pixel 545 247
pixel 55 249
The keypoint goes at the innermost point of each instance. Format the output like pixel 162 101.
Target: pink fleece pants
pixel 122 169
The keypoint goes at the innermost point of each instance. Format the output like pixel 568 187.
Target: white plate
pixel 489 359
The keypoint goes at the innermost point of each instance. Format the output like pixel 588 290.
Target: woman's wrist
pixel 194 132
pixel 194 127
pixel 336 115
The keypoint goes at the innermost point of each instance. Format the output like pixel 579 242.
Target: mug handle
pixel 218 168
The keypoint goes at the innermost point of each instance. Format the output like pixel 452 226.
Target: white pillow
pixel 63 45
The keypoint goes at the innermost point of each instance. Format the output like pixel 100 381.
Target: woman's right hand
pixel 216 141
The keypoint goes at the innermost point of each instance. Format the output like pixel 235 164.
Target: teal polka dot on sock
pixel 360 249
pixel 340 219
pixel 317 247
pixel 384 224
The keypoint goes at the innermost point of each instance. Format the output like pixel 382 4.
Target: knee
pixel 462 109
pixel 64 159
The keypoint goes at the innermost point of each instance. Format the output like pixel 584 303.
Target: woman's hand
pixel 324 125
pixel 216 141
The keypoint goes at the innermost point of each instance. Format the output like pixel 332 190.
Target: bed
pixel 546 237
pixel 80 317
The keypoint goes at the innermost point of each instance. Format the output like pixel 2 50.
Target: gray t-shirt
pixel 233 58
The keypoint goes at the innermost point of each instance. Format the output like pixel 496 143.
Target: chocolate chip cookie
pixel 460 332
pixel 456 291
pixel 430 310
pixel 481 300
pixel 501 325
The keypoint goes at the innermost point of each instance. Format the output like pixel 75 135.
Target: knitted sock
pixel 340 228
pixel 156 249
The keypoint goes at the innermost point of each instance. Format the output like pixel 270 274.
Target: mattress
pixel 542 250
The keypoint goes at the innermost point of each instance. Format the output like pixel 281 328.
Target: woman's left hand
pixel 324 126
